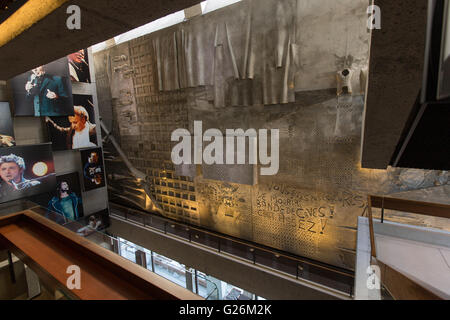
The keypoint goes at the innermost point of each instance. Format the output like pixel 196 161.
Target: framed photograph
pixel 26 171
pixel 44 91
pixel 79 66
pixel 93 170
pixel 64 204
pixel 6 126
pixel 77 131
pixel 93 223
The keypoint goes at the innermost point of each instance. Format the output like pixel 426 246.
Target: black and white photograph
pixel 6 126
pixel 77 131
pixel 93 170
pixel 26 171
pixel 79 66
pixel 44 91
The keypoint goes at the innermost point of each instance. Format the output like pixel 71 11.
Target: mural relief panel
pixel 226 207
pixel 261 64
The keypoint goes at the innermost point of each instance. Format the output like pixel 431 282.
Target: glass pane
pixel 280 263
pixel 236 249
pixel 170 269
pixel 205 239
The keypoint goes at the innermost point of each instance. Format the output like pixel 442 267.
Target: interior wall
pixel 33 130
pixel 269 66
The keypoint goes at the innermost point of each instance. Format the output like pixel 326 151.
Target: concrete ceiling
pixel 50 39
pixel 395 79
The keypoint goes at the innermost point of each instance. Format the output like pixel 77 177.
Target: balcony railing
pixel 394 281
pixel 297 267
pixel 49 249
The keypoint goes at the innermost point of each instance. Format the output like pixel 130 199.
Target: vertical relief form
pixel 231 53
pixel 219 81
pixel 157 48
pixel 277 34
pixel 248 57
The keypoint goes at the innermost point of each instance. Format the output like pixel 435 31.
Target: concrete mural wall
pixel 261 64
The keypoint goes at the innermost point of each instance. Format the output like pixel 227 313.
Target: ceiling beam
pixel 49 39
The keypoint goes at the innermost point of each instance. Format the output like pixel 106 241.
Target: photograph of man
pixel 93 172
pixel 67 202
pixel 77 131
pixel 26 171
pixel 79 66
pixel 6 126
pixel 44 91
pixel 11 171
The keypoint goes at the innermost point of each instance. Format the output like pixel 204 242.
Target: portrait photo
pixel 6 126
pixel 76 131
pixel 63 204
pixel 26 171
pixel 43 91
pixel 93 170
pixel 79 66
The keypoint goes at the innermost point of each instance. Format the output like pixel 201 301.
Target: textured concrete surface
pixel 50 39
pixel 310 207
pixel 395 77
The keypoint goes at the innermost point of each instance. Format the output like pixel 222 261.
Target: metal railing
pixel 298 267
pixel 391 279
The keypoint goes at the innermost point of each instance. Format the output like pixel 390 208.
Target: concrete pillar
pixel 190 279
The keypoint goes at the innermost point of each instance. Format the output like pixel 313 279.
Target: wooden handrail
pixel 419 207
pixel 49 249
pixel 398 284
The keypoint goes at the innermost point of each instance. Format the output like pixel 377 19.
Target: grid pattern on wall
pixel 159 114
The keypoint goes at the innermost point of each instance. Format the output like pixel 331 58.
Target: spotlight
pixel 40 169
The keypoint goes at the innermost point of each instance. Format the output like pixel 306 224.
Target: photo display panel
pixel 6 126
pixel 93 170
pixel 26 171
pixel 43 91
